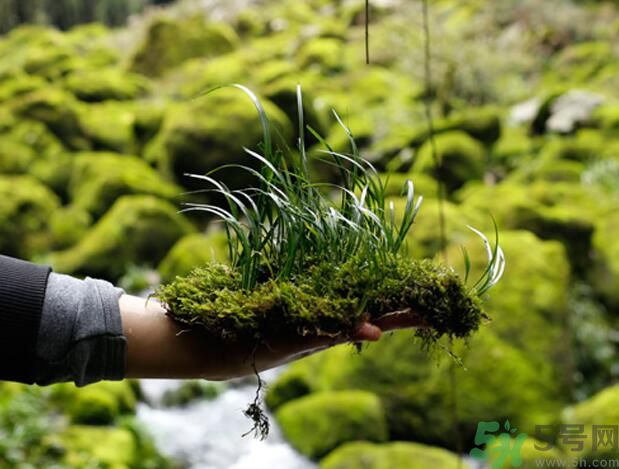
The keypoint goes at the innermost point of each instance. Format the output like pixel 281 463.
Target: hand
pixel 159 347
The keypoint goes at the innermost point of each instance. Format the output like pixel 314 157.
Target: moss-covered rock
pixel 463 159
pixel 169 43
pixel 20 84
pixel 15 156
pixel 57 109
pixel 109 126
pixel 191 391
pixel 196 137
pixel 291 384
pixel 106 84
pixel 601 409
pixel 513 148
pixel 324 53
pixel 110 447
pixel 483 124
pixel 67 226
pixel 564 211
pixel 192 251
pixel 98 179
pixel 25 208
pixel 397 455
pixel 533 454
pixel 319 423
pixel 137 230
pixel 605 275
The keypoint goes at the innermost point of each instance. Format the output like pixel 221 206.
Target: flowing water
pixel 206 434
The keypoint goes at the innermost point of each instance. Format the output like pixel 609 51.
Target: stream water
pixel 207 434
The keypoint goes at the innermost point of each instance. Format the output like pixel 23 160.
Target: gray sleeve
pixel 80 337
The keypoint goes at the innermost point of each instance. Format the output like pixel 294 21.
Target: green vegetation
pixel 99 126
pixel 388 456
pixel 317 424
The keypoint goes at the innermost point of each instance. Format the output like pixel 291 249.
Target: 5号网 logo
pixel 498 448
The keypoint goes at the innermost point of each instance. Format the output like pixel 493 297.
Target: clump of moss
pixel 302 264
pixel 330 300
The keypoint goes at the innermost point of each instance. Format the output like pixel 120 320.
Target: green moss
pixel 463 159
pixel 98 179
pixel 137 230
pixel 483 124
pixel 564 211
pixel 106 84
pixel 317 424
pixel 531 457
pixel 211 297
pixel 607 117
pixel 25 207
pixel 324 53
pixel 605 275
pixel 191 391
pixel 397 455
pixel 94 407
pixel 57 109
pixel 192 251
pixel 169 43
pixel 109 447
pixel 291 384
pixel 20 84
pixel 512 149
pixel 109 126
pixel 600 409
pixel 15 157
pixel 192 127
pixel 67 226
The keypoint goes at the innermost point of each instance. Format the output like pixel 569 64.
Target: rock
pixel 325 54
pixel 192 251
pixel 530 456
pixel 319 423
pixel 525 112
pixel 191 391
pixel 571 110
pixel 168 43
pixel 25 208
pixel 68 225
pixel 600 409
pixel 15 157
pixel 98 179
pixel 196 137
pixel 110 447
pixel 397 455
pixel 57 109
pixel 106 84
pixel 605 276
pixel 463 159
pixel 137 230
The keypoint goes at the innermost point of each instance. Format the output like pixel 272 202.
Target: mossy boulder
pixel 15 156
pixel 98 179
pixel 20 84
pixel 109 447
pixel 106 84
pixel 319 423
pixel 58 110
pixel 563 210
pixel 197 137
pixel 605 275
pixel 25 208
pixel 67 225
pixel 109 126
pixel 168 43
pixel 483 124
pixel 138 230
pixel 600 409
pixel 192 251
pixel 463 159
pixel 533 454
pixel 326 54
pixel 191 391
pixel 291 384
pixel 396 455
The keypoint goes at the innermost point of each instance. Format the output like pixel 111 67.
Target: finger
pixel 367 331
pixel 399 320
